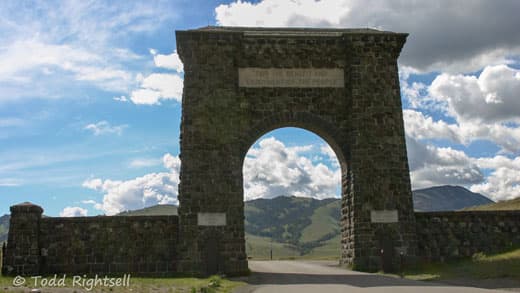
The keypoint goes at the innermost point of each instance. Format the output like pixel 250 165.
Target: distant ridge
pixel 507 205
pixel 157 210
pixel 4 227
pixel 446 198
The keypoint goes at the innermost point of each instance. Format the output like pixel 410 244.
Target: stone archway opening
pixel 292 191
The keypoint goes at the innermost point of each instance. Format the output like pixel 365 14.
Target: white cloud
pixel 504 181
pixel 73 212
pixel 48 47
pixel 90 201
pixel 171 162
pixel 432 166
pixel 272 169
pixel 140 192
pixel 144 162
pixel 419 126
pixel 435 27
pixel 171 61
pixel 491 97
pixel 276 13
pixel 484 107
pixel 121 99
pixel 157 87
pixel 94 183
pixel 103 127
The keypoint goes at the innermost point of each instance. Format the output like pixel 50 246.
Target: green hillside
pixel 507 205
pixel 302 225
pixel 324 222
pixel 258 247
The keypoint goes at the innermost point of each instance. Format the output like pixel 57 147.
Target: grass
pixel 260 248
pixel 322 223
pixel 508 205
pixel 330 250
pixel 214 284
pixel 481 266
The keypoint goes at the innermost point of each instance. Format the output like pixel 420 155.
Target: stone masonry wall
pixel 450 235
pixel 141 245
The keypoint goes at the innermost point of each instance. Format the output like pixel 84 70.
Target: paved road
pixel 325 277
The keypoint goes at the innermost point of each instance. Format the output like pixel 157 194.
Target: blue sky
pixel 90 91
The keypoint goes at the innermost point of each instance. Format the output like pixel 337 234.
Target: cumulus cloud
pixel 273 169
pixel 444 35
pixel 140 192
pixel 157 87
pixel 432 166
pixel 490 97
pixel 484 107
pixel 103 127
pixel 171 61
pixel 504 181
pixel 73 212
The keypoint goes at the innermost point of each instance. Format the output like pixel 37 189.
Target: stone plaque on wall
pixel 384 216
pixel 291 77
pixel 211 219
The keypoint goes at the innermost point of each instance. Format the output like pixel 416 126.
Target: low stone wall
pixel 147 245
pixel 444 236
pixel 141 245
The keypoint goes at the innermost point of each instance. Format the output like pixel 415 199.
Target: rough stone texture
pixel 451 235
pixel 22 252
pixel 362 122
pixel 141 245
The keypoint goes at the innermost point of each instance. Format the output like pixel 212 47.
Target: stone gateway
pixel 341 84
pixel 240 83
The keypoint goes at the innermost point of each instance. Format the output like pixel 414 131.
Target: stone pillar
pixel 22 255
pixel 381 198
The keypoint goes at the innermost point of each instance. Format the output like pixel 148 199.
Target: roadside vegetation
pixel 480 266
pixel 214 284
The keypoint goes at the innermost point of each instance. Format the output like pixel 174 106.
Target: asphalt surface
pixel 326 276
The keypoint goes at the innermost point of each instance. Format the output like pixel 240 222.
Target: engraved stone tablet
pixel 211 219
pixel 384 216
pixel 291 77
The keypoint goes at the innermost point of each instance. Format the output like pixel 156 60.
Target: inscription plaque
pixel 291 77
pixel 384 216
pixel 211 219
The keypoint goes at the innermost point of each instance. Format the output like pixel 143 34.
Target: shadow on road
pixel 363 281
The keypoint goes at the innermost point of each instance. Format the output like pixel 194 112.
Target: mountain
pixel 4 227
pixel 446 198
pixel 506 205
pixel 300 224
pixel 161 209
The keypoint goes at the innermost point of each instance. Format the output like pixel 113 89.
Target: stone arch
pixel 307 121
pixel 341 84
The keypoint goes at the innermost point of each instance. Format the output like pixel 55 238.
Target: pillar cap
pixel 26 207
